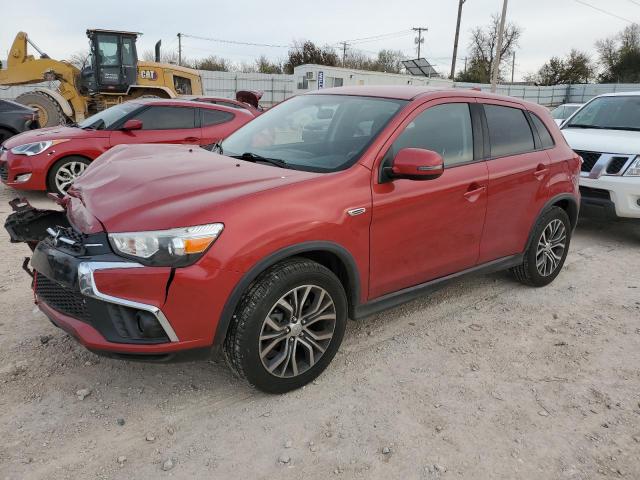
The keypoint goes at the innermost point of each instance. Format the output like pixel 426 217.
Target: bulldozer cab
pixel 114 60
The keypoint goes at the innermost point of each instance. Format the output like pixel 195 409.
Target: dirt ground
pixel 485 379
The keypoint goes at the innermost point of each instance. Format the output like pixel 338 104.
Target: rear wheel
pixel 548 250
pixel 50 113
pixel 288 326
pixel 64 172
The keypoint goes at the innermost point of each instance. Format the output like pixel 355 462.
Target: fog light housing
pixel 25 177
pixel 148 325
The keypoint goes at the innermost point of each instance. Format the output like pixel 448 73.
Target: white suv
pixel 606 134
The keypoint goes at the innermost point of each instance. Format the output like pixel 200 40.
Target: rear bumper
pixel 611 196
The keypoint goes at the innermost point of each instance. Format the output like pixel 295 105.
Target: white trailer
pixel 313 77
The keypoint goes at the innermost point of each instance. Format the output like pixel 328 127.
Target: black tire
pixel 242 344
pixel 52 185
pixel 5 134
pixel 49 111
pixel 529 272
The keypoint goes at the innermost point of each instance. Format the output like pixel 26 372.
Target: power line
pixel 383 36
pixel 635 2
pixel 606 12
pixel 235 42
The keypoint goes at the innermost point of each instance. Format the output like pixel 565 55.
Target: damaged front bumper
pixel 65 264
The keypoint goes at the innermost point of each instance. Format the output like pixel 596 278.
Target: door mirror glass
pixel 132 124
pixel 416 164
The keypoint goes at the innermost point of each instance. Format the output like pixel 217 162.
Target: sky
pixel 550 27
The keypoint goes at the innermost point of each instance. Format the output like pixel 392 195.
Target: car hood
pixel 152 187
pixel 623 142
pixel 53 133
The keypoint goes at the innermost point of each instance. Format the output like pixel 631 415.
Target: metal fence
pixel 279 87
pixel 216 84
pixel 557 94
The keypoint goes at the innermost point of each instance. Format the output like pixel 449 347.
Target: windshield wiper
pixel 583 125
pixel 254 157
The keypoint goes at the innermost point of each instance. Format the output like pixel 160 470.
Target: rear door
pixel 163 124
pixel 518 177
pixel 423 230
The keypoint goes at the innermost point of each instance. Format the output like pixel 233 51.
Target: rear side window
pixel 215 117
pixel 543 131
pixel 167 118
pixel 445 129
pixel 509 131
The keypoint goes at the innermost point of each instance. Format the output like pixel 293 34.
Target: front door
pixel 423 230
pixel 163 124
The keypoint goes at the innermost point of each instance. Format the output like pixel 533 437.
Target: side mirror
pixel 132 124
pixel 416 164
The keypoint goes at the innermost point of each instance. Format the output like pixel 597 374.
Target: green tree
pixel 576 67
pixel 264 65
pixel 214 63
pixel 620 56
pixel 307 52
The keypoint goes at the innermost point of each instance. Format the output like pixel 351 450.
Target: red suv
pixel 52 158
pixel 266 247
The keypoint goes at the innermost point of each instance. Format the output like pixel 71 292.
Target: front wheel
pixel 288 326
pixel 64 172
pixel 547 251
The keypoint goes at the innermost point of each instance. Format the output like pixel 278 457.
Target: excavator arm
pixel 25 69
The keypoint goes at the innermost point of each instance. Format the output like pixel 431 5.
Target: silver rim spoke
pixel 551 247
pixel 297 331
pixel 68 173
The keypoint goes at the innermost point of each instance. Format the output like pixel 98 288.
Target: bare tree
pixel 79 59
pixel 483 45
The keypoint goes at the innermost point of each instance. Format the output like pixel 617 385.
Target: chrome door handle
pixel 352 212
pixel 474 192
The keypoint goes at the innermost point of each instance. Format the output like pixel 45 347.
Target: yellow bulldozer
pixel 112 74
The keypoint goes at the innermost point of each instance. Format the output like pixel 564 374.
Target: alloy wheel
pixel 551 247
pixel 67 173
pixel 297 331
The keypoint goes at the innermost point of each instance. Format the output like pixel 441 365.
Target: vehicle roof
pixel 177 102
pixel 621 94
pixel 571 105
pixel 411 92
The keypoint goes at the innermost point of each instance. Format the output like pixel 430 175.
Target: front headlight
pixel 634 168
pixel 35 148
pixel 177 247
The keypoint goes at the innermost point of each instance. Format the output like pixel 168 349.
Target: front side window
pixel 509 131
pixel 613 113
pixel 162 117
pixel 105 119
pixel 108 50
pixel 445 129
pixel 320 133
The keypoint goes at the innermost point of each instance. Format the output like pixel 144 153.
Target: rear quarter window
pixel 545 136
pixel 509 131
pixel 211 116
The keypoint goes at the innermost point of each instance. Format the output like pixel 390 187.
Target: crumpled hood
pixel 157 187
pixel 604 141
pixel 53 133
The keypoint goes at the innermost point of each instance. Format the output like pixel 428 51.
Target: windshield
pixel 319 133
pixel 614 113
pixel 106 118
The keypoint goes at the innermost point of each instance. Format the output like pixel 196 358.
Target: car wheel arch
pixel 61 160
pixel 329 254
pixel 565 201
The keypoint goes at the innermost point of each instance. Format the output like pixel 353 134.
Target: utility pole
pixel 465 64
pixel 344 52
pixel 513 67
pixel 419 40
pixel 179 49
pixel 496 62
pixel 455 40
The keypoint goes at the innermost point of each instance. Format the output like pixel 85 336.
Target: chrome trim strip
pixel 88 287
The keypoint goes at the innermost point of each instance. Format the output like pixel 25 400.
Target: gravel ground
pixel 485 379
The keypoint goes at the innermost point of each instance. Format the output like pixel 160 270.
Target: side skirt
pixel 411 293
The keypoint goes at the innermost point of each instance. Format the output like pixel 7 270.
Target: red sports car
pixel 52 158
